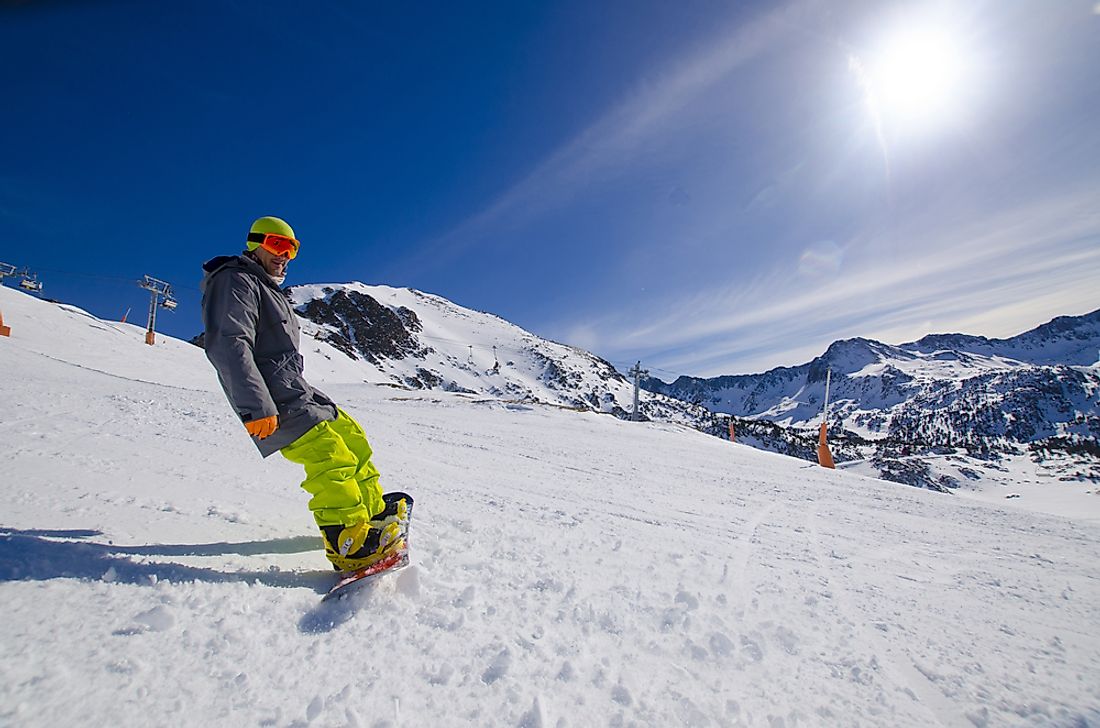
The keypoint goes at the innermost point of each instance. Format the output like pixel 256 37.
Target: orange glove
pixel 262 428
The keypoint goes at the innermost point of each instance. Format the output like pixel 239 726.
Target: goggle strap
pixel 256 237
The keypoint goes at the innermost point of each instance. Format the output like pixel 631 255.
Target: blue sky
pixel 710 187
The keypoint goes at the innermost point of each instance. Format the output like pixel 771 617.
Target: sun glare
pixel 917 74
pixel 916 79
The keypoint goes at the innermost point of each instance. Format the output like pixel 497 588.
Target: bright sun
pixel 917 74
pixel 916 79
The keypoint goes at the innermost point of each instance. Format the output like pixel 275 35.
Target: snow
pixel 569 569
pixel 1013 481
pixel 937 366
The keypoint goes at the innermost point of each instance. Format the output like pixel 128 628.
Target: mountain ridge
pixel 1068 329
pixel 986 397
pixel 414 340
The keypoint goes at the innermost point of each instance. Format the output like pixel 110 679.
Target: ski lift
pixel 160 295
pixel 31 283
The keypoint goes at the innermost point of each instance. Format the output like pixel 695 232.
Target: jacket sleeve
pixel 230 314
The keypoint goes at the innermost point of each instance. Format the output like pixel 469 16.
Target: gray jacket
pixel 252 338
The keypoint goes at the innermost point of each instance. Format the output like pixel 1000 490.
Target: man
pixel 252 339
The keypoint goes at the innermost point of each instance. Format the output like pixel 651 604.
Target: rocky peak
pixel 363 328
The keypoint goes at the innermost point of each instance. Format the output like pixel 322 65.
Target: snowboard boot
pixel 359 545
pixel 398 509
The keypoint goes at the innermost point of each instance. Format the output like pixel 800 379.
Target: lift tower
pixel 637 372
pixel 160 294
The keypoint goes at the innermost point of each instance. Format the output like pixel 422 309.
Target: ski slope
pixel 569 569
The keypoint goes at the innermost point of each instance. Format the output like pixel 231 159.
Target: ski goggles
pixel 275 244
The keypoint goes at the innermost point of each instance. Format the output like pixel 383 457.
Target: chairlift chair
pixel 31 284
pixel 169 303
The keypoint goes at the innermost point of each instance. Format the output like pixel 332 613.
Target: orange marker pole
pixel 732 439
pixel 4 330
pixel 824 457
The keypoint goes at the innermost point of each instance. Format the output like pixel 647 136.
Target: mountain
pixel 569 569
pixel 1066 340
pixel 901 407
pixel 418 341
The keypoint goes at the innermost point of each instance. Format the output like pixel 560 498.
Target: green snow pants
pixel 339 473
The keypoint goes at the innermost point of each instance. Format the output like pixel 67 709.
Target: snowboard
pixel 356 579
pixel 397 559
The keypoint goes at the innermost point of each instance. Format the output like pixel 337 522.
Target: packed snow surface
pixel 569 569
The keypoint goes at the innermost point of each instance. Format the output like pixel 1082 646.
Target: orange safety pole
pixel 731 432
pixel 824 457
pixel 4 330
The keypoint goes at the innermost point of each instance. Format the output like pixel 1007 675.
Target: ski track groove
pixel 112 375
pixel 744 549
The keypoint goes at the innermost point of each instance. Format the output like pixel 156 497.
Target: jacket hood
pixel 234 262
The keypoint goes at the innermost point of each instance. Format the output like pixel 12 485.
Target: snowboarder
pixel 251 338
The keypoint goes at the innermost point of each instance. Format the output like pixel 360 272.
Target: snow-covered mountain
pixel 1066 341
pixel 569 569
pixel 1038 392
pixel 417 341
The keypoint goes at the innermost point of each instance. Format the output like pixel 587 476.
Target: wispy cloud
pixel 953 258
pixel 1023 264
pixel 612 141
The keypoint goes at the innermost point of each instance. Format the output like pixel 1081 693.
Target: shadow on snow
pixel 38 555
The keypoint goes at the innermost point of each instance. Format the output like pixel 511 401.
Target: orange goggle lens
pixel 276 244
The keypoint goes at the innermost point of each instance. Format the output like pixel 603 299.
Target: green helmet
pixel 269 224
